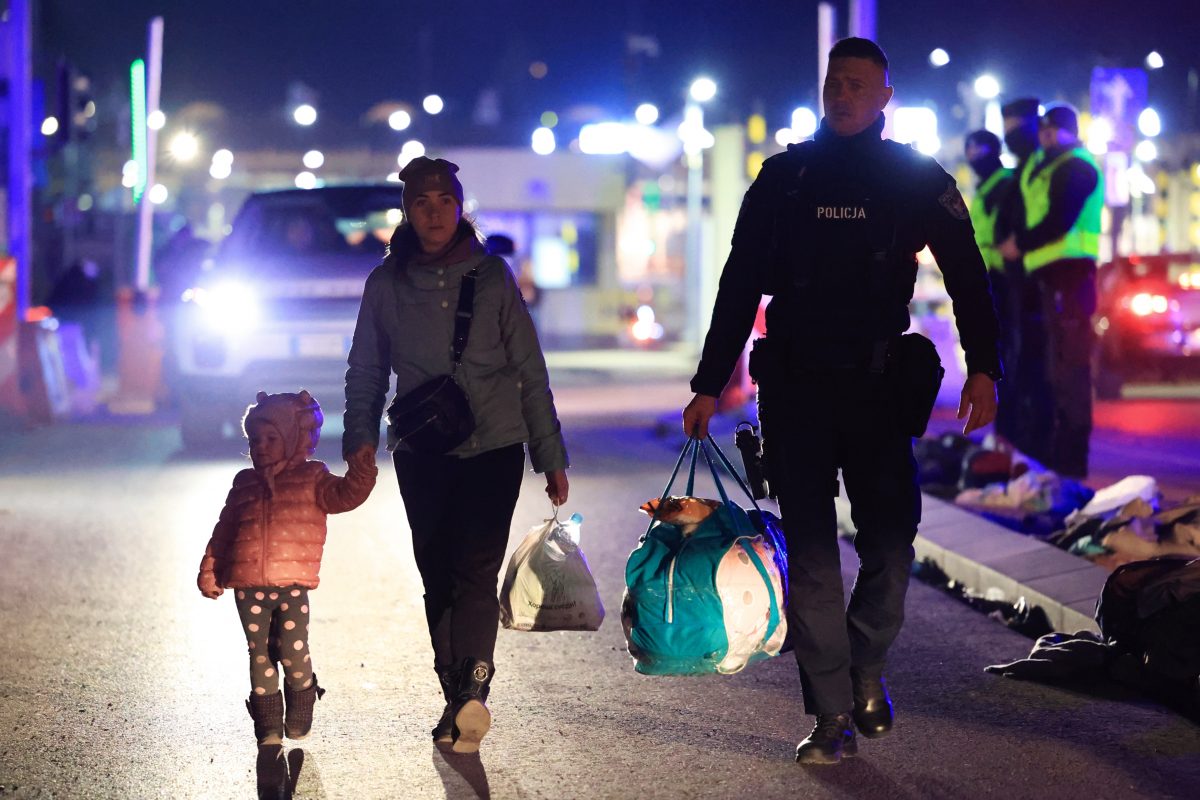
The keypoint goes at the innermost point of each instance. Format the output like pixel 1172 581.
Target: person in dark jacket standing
pixel 459 504
pixel 1058 241
pixel 1021 124
pixel 995 183
pixel 830 229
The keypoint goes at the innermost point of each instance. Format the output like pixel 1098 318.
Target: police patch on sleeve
pixel 952 201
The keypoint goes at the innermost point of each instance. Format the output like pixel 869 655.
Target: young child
pixel 267 545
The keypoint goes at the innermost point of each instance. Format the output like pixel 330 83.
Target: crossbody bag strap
pixel 462 316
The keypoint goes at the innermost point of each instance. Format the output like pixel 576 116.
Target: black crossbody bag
pixel 436 417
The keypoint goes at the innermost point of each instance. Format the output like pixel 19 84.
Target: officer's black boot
pixel 471 717
pixel 443 732
pixel 832 739
pixel 873 714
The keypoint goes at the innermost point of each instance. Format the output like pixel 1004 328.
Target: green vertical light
pixel 137 119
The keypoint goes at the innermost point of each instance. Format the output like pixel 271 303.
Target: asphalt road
pixel 117 680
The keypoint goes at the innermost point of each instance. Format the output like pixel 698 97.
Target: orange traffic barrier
pixel 140 341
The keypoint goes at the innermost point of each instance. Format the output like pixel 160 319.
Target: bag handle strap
pixel 689 447
pixel 773 616
pixel 733 472
pixel 463 314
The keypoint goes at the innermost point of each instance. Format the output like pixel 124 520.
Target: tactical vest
pixel 984 221
pixel 1083 239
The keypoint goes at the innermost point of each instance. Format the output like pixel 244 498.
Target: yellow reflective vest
pixel 984 221
pixel 1083 239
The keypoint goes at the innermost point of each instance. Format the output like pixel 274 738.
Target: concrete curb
pixel 985 556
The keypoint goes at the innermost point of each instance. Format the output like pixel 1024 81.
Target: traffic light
pixel 76 106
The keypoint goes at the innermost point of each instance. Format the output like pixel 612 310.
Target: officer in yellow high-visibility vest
pixel 996 183
pixel 1063 194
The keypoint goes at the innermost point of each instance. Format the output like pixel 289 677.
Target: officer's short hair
pixel 857 47
pixel 984 138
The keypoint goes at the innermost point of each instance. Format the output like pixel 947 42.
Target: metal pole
pixel 20 149
pixel 695 207
pixel 826 25
pixel 146 209
pixel 862 19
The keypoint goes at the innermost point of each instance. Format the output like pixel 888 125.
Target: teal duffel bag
pixel 704 598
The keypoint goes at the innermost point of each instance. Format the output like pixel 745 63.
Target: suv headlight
pixel 228 307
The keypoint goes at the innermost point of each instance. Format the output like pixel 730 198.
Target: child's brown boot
pixel 300 708
pixel 267 712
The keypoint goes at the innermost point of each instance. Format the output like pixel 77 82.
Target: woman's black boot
pixel 443 732
pixel 471 716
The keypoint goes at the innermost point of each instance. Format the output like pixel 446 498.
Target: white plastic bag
pixel 548 586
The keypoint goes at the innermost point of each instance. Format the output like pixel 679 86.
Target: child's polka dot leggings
pixel 276 623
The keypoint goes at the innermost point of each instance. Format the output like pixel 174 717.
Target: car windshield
pixel 317 223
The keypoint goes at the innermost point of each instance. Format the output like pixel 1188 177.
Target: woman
pixel 460 504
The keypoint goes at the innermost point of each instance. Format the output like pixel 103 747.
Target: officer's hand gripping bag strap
pixel 915 374
pixel 548 585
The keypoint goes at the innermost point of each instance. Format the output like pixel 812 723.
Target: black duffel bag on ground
pixel 436 417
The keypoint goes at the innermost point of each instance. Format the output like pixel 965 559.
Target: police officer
pixel 1022 120
pixel 1059 241
pixel 995 182
pixel 831 229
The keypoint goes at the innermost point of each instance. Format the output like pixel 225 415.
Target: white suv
pixel 275 309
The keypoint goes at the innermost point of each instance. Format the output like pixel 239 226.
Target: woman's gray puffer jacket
pixel 406 325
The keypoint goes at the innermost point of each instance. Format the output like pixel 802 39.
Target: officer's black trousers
pixel 460 511
pixel 1007 285
pixel 1056 365
pixel 813 425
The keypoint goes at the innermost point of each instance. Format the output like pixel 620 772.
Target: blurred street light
pixel 129 174
pixel 222 156
pixel 433 104
pixel 304 114
pixel 1099 134
pixel 1145 151
pixel 646 114
pixel 542 141
pixel 155 120
pixel 1154 60
pixel 939 57
pixel 157 194
pixel 49 126
pixel 916 125
pixel 410 150
pixel 804 122
pixel 313 159
pixel 399 120
pixel 306 180
pixel 220 170
pixel 184 147
pixel 1149 123
pixel 703 90
pixel 987 87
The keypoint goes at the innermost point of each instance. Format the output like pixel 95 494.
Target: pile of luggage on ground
pixel 1118 524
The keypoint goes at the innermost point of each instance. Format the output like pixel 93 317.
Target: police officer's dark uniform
pixel 1062 194
pixel 831 229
